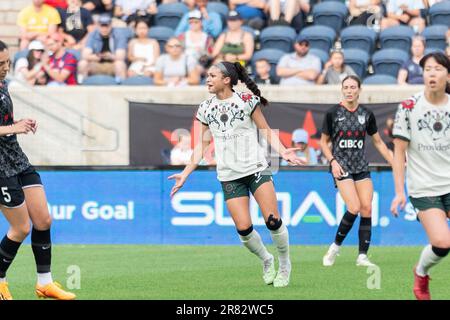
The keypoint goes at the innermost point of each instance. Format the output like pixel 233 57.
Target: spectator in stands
pixel 130 11
pixel 405 12
pixel 306 153
pixel 29 69
pixel 284 11
pixel 263 75
pixel 197 43
pixel 76 23
pixel 212 21
pixel 364 12
pixel 142 52
pixel 235 44
pixel 299 67
pixel 335 70
pixel 182 151
pixel 251 11
pixel 57 4
pixel 60 66
pixel 447 51
pixel 411 72
pixel 105 52
pixel 36 21
pixel 175 68
pixel 99 7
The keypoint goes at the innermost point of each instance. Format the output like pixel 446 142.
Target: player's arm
pixel 398 170
pixel 21 126
pixel 336 168
pixel 382 148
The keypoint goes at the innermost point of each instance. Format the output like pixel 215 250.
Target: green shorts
pixel 424 203
pixel 240 187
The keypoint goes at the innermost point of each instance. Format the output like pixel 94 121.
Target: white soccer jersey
pixel 427 128
pixel 238 153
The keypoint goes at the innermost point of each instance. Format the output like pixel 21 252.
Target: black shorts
pixel 354 176
pixel 11 188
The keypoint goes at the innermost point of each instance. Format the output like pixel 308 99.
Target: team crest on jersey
pixel 435 122
pixel 409 103
pixel 361 119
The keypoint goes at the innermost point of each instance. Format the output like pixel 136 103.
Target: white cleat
pixel 269 273
pixel 363 261
pixel 330 256
pixel 283 276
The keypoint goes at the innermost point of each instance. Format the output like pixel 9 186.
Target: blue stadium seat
pixel 388 61
pixel 137 81
pixel 331 13
pixel 358 37
pixel 430 50
pixel 435 36
pixel 170 14
pixel 125 32
pixel 219 7
pixel 271 55
pixel 322 55
pixel 440 13
pixel 319 37
pixel 18 55
pixel 398 37
pixel 358 60
pixel 99 80
pixel 278 37
pixel 380 79
pixel 161 34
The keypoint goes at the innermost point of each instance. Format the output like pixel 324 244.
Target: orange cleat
pixel 54 291
pixel 4 291
pixel 421 286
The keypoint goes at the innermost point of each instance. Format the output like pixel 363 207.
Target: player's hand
pixel 337 170
pixel 23 126
pixel 291 157
pixel 34 126
pixel 400 199
pixel 179 182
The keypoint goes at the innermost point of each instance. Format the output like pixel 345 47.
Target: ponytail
pixel 251 85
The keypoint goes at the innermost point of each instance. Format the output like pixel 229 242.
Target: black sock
pixel 42 249
pixel 365 233
pixel 344 227
pixel 8 251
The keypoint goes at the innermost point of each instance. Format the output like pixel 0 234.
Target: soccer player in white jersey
pixel 422 137
pixel 234 119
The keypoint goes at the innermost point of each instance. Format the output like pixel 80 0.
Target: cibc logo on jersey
pixel 351 144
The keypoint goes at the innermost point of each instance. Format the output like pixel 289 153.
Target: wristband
pixel 332 159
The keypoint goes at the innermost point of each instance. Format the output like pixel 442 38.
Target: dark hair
pixel 139 20
pixel 32 61
pixel 441 59
pixel 356 78
pixel 3 46
pixel 237 72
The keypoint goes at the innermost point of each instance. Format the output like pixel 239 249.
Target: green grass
pixel 223 272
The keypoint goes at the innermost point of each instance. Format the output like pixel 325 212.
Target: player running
pixel 346 125
pixel 233 118
pixel 422 132
pixel 22 198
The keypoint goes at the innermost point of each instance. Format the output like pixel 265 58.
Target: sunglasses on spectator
pixel 174 45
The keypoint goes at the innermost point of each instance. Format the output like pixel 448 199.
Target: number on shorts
pixel 6 195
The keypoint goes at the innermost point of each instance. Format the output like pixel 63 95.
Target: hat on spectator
pixel 195 14
pixel 233 16
pixel 302 38
pixel 300 136
pixel 104 19
pixel 36 45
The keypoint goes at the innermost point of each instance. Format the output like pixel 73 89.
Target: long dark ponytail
pixel 251 85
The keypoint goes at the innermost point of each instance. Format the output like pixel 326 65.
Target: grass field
pixel 223 272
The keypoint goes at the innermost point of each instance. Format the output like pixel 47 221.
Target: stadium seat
pixel 278 37
pixel 398 37
pixel 170 14
pixel 219 7
pixel 18 55
pixel 440 13
pixel 319 37
pixel 358 37
pixel 138 81
pixel 358 60
pixel 331 13
pixel 435 36
pixel 322 55
pixel 161 34
pixel 99 80
pixel 430 50
pixel 380 79
pixel 388 61
pixel 271 55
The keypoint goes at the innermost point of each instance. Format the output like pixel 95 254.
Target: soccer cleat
pixel 421 286
pixel 363 261
pixel 54 291
pixel 330 256
pixel 4 291
pixel 283 275
pixel 269 270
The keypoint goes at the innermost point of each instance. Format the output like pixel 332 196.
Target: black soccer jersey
pixel 12 159
pixel 347 130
